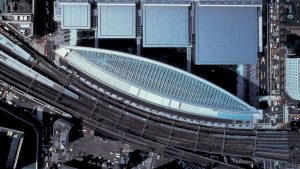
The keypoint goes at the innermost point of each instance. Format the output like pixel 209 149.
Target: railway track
pixel 167 133
pixel 153 132
pixel 119 135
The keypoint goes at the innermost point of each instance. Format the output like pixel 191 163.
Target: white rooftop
pixel 116 20
pixel 165 25
pixel 293 77
pixel 75 16
pixel 241 3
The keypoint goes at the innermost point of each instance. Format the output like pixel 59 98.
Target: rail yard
pixel 122 117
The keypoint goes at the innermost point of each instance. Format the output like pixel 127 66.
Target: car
pixel 263 60
pixel 290 16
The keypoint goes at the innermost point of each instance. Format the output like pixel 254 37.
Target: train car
pixel 15 48
pixel 12 63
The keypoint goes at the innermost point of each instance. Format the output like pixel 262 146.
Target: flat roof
pixel 167 2
pixel 226 35
pixel 57 11
pixel 165 25
pixel 73 1
pixel 240 3
pixel 115 1
pixel 116 20
pixel 76 16
pixel 293 77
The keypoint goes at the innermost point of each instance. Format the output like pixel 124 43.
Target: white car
pixel 263 61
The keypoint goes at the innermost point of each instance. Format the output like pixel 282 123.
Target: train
pixel 15 48
pixel 35 76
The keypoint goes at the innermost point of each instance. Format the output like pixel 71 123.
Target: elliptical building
pixel 157 83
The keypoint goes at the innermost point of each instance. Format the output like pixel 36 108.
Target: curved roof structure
pixel 158 83
pixel 293 77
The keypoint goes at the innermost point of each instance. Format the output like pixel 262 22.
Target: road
pixel 272 67
pixel 264 59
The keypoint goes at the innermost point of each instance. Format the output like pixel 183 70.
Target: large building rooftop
pixel 241 3
pixel 293 77
pixel 157 83
pixel 226 35
pixel 116 20
pixel 214 31
pixel 165 25
pixel 75 15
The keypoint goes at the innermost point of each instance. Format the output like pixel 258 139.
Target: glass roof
pixel 163 80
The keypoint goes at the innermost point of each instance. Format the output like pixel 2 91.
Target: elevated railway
pixel 109 116
pixel 106 114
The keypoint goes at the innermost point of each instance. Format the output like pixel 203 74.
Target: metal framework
pixel 163 80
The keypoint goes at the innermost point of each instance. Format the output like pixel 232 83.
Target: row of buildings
pixel 18 15
pixel 212 31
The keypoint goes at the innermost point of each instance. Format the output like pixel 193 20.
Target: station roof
pixel 226 35
pixel 165 25
pixel 157 83
pixel 76 16
pixel 293 77
pixel 116 20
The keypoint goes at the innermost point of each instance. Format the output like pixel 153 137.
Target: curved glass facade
pixel 164 81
